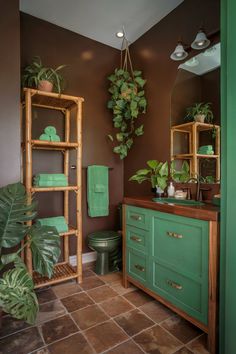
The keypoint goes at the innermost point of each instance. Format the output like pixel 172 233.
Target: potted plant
pixel 200 112
pixel 17 296
pixel 156 173
pixel 127 102
pixel 182 175
pixel 35 75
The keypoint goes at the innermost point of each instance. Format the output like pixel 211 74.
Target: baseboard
pixel 86 258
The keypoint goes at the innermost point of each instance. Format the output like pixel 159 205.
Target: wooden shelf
pixel 189 156
pixel 62 272
pixel 71 231
pixel 54 189
pixel 52 145
pixel 52 100
pixel 193 130
pixel 65 104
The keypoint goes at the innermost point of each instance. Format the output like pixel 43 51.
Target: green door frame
pixel 228 180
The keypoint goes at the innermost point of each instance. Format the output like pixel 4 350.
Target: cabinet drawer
pixel 136 265
pixel 138 217
pixel 183 292
pixel 137 238
pixel 181 243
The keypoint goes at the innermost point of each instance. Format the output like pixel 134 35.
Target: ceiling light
pixel 179 52
pixel 192 62
pixel 120 34
pixel 201 41
pixel 210 51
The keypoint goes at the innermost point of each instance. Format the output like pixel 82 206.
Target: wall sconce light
pixel 201 41
pixel 179 52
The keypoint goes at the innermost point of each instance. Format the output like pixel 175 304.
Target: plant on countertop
pixel 180 176
pixel 200 112
pixel 157 174
pixel 35 75
pixel 127 103
pixel 17 296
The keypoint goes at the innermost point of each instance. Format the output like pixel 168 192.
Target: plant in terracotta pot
pixel 17 296
pixel 35 75
pixel 156 173
pixel 200 112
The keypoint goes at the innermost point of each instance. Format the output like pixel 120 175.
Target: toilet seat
pixel 104 235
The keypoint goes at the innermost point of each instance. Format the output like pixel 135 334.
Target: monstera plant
pixel 17 296
pixel 127 103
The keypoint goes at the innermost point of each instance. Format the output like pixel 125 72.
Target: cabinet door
pixel 137 265
pixel 179 262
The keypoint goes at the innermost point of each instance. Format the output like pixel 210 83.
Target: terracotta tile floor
pixel 100 316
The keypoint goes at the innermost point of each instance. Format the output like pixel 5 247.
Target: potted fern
pixel 17 296
pixel 200 112
pixel 35 75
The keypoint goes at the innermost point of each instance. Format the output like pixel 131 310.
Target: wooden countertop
pixel 207 211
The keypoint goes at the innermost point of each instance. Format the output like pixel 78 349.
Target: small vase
pixel 200 118
pixel 45 85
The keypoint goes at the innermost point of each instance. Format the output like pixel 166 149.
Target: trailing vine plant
pixel 127 103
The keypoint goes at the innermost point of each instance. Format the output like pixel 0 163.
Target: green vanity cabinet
pixel 169 255
pixel 179 262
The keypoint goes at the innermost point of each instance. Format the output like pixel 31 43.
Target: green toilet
pixel 107 244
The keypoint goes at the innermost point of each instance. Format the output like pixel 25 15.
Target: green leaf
pixel 14 211
pixel 139 131
pixel 120 103
pixel 110 104
pixel 110 137
pixel 112 78
pixel 137 73
pixel 140 81
pixel 143 171
pixel 153 164
pixel 45 247
pixel 120 72
pixel 17 295
pixel 142 102
pixel 141 93
pixel 161 182
pixel 129 143
pixel 133 105
pixel 138 179
pixel 164 169
pixel 119 137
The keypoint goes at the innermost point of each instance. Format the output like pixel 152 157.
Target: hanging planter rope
pixel 127 102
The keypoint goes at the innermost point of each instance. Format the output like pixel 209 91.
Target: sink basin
pixel 177 201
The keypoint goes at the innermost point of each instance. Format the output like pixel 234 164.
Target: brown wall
pixel 89 63
pixel 150 54
pixel 9 92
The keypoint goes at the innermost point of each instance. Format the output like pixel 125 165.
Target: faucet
pixel 198 180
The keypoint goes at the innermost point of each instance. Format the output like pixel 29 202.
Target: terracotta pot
pixel 200 118
pixel 45 85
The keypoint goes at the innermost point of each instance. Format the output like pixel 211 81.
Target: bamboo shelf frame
pixel 193 129
pixel 65 104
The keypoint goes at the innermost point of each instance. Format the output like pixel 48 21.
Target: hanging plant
pixel 127 103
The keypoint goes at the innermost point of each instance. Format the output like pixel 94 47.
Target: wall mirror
pixel 194 141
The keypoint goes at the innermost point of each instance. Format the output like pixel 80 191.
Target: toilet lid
pixel 104 235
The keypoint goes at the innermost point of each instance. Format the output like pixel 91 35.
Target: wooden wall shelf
pixel 64 103
pixel 193 130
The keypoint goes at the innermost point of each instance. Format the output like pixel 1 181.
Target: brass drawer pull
pixel 136 239
pixel 136 217
pixel 174 285
pixel 174 234
pixel 139 267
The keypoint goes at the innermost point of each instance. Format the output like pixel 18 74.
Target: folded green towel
pixel 51 176
pixel 98 191
pixel 44 137
pixel 50 130
pixel 55 137
pixel 59 222
pixel 50 183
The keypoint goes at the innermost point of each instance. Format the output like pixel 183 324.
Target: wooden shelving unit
pixel 193 129
pixel 66 104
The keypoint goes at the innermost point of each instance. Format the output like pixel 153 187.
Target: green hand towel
pixel 51 176
pixel 55 137
pixel 59 222
pixel 98 191
pixel 50 183
pixel 44 137
pixel 50 130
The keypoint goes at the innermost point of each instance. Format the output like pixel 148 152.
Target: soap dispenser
pixel 171 190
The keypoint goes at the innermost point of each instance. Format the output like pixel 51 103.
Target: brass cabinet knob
pixel 136 239
pixel 174 234
pixel 139 267
pixel 174 285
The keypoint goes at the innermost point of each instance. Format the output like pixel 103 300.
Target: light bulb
pixel 120 34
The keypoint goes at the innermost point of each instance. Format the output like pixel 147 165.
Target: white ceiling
pixel 101 19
